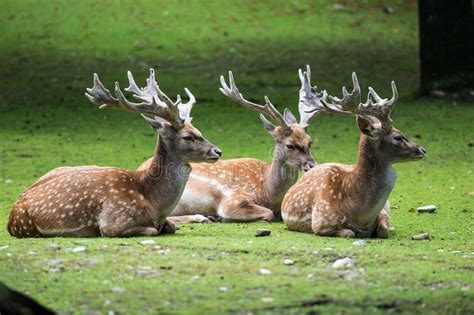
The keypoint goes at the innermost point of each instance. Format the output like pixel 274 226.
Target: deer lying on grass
pixel 347 201
pixel 249 189
pixel 107 201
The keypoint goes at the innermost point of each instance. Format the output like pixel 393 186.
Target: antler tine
pixel 132 86
pixel 155 94
pixel 309 104
pixel 349 103
pixel 379 107
pixel 233 93
pixel 153 100
pixel 99 94
pixel 185 108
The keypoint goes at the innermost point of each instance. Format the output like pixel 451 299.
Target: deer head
pixel 172 120
pixel 292 142
pixel 374 121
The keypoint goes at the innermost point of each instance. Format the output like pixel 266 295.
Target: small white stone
pixel 148 242
pixel 264 271
pixel 79 249
pixel 267 299
pixel 54 246
pixel 288 262
pixel 345 262
pixel 427 209
pixel 360 243
pixel 3 247
pixel 223 289
pixel 118 289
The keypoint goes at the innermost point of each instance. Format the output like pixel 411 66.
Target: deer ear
pixel 289 117
pixel 267 124
pixel 368 125
pixel 159 124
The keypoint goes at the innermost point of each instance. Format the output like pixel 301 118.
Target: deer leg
pixel 196 218
pixel 335 232
pixel 320 226
pixel 128 231
pixel 115 222
pixel 382 230
pixel 345 233
pixel 233 210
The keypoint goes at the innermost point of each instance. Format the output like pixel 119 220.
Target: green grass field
pixel 48 52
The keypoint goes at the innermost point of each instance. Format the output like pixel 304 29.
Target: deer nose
pixel 217 152
pixel 308 165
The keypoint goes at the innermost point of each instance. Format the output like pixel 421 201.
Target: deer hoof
pixel 382 231
pixel 198 218
pixel 346 233
pixel 168 228
pixel 212 218
pixel 269 217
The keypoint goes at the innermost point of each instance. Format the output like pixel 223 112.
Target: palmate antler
pixel 233 93
pixel 350 104
pixel 153 100
pixel 309 104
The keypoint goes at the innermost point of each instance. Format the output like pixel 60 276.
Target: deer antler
pixel 379 107
pixel 309 104
pixel 185 108
pixel 153 100
pixel 350 104
pixel 233 93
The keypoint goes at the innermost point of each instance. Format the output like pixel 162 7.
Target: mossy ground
pixel 48 52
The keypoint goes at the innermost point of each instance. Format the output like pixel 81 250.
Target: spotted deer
pixel 87 201
pixel 352 200
pixel 248 189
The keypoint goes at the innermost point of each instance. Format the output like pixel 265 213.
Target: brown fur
pixel 343 200
pixel 107 201
pixel 244 189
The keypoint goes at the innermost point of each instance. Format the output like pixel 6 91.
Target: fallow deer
pixel 248 189
pixel 106 201
pixel 352 200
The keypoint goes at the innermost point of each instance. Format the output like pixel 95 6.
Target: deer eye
pixel 398 138
pixel 290 146
pixel 188 138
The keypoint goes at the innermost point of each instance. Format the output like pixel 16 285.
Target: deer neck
pixel 164 180
pixel 278 178
pixel 373 177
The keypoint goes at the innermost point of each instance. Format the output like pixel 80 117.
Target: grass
pixel 49 51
